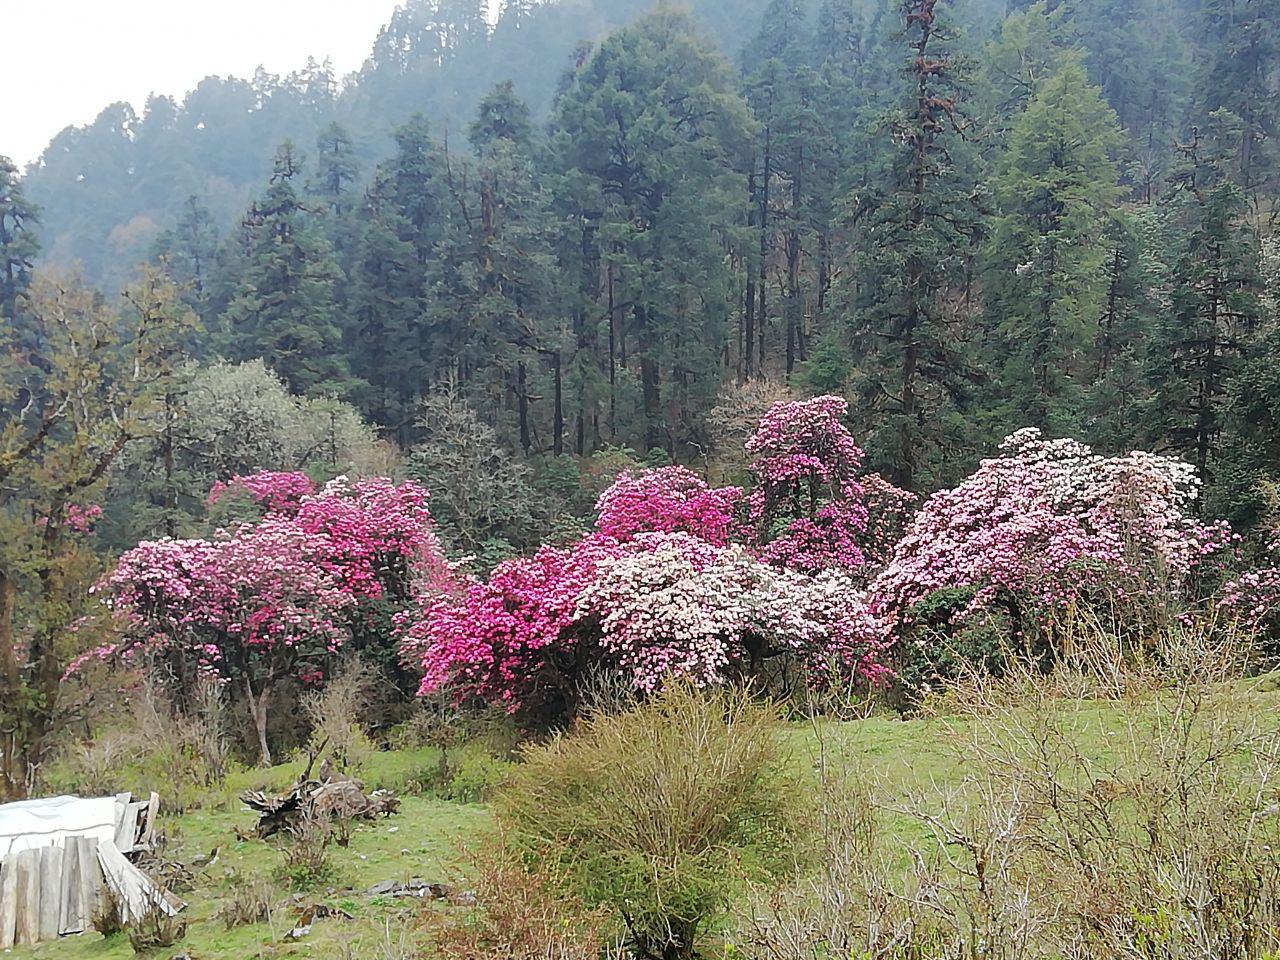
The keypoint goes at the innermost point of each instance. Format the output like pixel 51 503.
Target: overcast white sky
pixel 65 60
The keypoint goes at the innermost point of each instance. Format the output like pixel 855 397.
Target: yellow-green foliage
pixel 659 811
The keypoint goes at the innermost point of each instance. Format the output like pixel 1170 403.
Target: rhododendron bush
pixel 667 500
pixel 278 598
pixel 682 580
pixel 815 565
pixel 658 606
pixel 1048 524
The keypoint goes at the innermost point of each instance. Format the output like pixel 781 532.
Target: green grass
pixel 901 758
pixel 424 840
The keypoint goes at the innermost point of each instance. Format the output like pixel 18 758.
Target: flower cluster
pixel 275 492
pixel 376 531
pixel 667 500
pixel 262 591
pixel 499 639
pixel 76 518
pixel 1252 598
pixel 678 606
pixel 280 596
pixel 809 505
pixel 1046 524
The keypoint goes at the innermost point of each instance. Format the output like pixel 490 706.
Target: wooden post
pixel 8 900
pixel 27 867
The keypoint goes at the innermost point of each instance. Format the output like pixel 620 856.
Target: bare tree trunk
pixel 258 706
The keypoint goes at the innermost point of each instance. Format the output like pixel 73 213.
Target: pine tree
pixel 1211 327
pixel 493 274
pixel 19 244
pixel 188 251
pixel 916 209
pixel 283 309
pixel 392 345
pixel 654 134
pixel 1239 77
pixel 1046 269
pixel 337 170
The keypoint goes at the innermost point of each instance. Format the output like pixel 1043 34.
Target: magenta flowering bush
pixel 510 639
pixel 1047 524
pixel 273 491
pixel 810 509
pixel 667 500
pixel 682 580
pixel 1252 598
pixel 658 606
pixel 276 599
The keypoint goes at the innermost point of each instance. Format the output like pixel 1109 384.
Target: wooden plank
pixel 153 816
pixel 131 897
pixel 133 890
pixel 88 892
pixel 8 901
pixel 27 928
pixel 50 892
pixel 72 917
pixel 92 891
pixel 127 827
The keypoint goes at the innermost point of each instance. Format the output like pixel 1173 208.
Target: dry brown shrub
pixel 522 915
pixel 249 900
pixel 732 420
pixel 1105 813
pixel 336 712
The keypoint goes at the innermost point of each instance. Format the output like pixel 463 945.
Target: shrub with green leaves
pixel 661 812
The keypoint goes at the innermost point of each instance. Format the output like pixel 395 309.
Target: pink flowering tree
pixel 276 599
pixel 1046 525
pixel 253 608
pixel 667 500
pixel 269 491
pixel 810 509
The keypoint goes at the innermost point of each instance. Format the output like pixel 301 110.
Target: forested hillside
pixel 773 480
pixel 586 220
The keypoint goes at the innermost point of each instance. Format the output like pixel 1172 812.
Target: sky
pixel 67 59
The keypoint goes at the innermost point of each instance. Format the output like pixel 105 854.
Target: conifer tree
pixel 189 253
pixel 654 130
pixel 916 208
pixel 394 348
pixel 284 307
pixel 18 241
pixel 1046 276
pixel 1211 327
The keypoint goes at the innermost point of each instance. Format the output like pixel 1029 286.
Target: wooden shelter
pixel 64 860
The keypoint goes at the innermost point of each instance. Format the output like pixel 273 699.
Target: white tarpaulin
pixel 61 856
pixel 28 824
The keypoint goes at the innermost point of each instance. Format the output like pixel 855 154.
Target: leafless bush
pixel 335 713
pixel 106 917
pixel 184 753
pixel 305 861
pixel 733 419
pixel 249 900
pixel 1121 818
pixel 156 931
pixel 523 915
